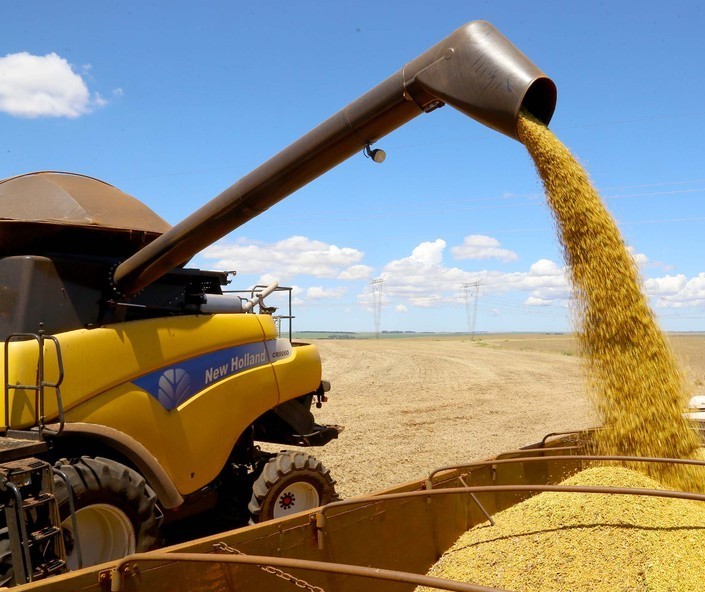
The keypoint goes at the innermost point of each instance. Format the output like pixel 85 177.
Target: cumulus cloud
pixel 429 253
pixel 284 259
pixel 641 259
pixel 536 301
pixel 677 291
pixel 666 286
pixel 544 267
pixel 34 86
pixel 479 246
pixel 319 293
pixel 423 280
pixel 356 272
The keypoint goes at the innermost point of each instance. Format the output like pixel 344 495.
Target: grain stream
pixel 638 387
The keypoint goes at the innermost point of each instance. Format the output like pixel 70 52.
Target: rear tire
pixel 7 573
pixel 116 510
pixel 290 482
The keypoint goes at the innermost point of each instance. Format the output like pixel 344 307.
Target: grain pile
pixel 633 375
pixel 586 542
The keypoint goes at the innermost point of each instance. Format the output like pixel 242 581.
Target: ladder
pixel 32 518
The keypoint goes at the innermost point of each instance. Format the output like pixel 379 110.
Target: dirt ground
pixel 413 404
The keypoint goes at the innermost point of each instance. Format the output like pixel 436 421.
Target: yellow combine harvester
pixel 136 389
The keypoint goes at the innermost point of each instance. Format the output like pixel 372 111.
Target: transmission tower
pixel 471 294
pixel 376 287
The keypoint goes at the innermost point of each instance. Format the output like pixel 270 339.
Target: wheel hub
pixel 297 497
pixel 105 533
pixel 287 500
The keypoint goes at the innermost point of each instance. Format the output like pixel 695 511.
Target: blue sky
pixel 173 102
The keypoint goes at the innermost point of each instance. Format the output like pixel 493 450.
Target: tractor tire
pixel 7 573
pixel 116 510
pixel 290 482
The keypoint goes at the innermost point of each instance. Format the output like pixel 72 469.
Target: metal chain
pixel 222 547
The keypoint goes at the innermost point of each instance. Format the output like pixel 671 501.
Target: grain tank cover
pixel 50 211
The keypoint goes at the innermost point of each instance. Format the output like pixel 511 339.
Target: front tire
pixel 290 482
pixel 116 510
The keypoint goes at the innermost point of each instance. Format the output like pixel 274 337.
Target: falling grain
pixel 633 375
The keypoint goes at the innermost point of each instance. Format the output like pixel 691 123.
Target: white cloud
pixel 677 291
pixel 665 286
pixel 479 246
pixel 429 253
pixel 356 272
pixel 545 267
pixel 284 259
pixel 318 293
pixel 43 86
pixel 535 301
pixel 641 259
pixel 423 280
pixel 644 262
pixel 99 101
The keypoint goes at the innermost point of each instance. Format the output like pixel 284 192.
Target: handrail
pixel 23 571
pixel 123 568
pixel 41 383
pixel 288 316
pixel 72 512
pixel 590 457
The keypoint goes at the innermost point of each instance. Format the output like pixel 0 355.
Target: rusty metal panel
pixel 390 534
pixel 449 517
pixel 74 200
pixel 42 212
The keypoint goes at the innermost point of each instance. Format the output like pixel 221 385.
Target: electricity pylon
pixel 376 287
pixel 471 294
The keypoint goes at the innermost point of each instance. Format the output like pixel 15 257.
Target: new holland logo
pixel 174 387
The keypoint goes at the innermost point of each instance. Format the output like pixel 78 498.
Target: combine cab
pixel 144 386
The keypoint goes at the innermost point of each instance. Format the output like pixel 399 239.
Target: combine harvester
pixel 135 390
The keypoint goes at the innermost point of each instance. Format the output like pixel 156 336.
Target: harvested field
pixel 411 405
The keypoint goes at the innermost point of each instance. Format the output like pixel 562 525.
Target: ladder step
pixel 40 500
pixel 48 568
pixel 45 533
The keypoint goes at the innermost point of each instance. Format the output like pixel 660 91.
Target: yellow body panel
pixel 105 370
